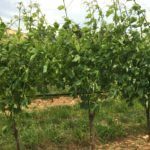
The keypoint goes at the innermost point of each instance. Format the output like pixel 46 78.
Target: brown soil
pixel 61 101
pixel 139 142
pixel 130 143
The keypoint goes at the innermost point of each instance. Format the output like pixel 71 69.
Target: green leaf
pixel 109 12
pixel 4 129
pixel 61 7
pixel 56 25
pixel 136 7
pixel 45 68
pixel 133 19
pixel 32 57
pixel 76 58
pixel 89 16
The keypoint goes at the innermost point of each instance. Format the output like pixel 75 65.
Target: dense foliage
pixel 109 54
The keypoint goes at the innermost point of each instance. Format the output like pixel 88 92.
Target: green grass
pixel 69 125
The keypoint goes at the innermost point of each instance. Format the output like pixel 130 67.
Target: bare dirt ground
pixel 139 142
pixel 61 101
pixel 130 143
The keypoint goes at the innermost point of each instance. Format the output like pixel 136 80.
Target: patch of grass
pixel 109 133
pixel 65 125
